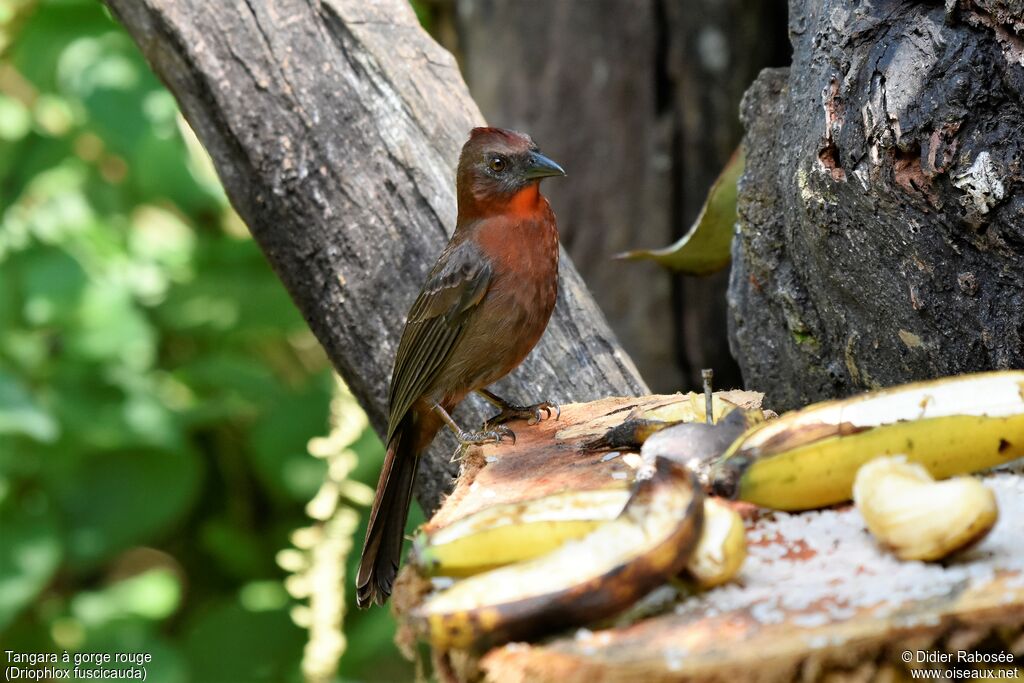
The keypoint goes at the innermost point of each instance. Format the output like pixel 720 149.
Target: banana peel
pixel 809 458
pixel 513 532
pixel 639 426
pixel 580 582
pixel 698 445
pixel 516 532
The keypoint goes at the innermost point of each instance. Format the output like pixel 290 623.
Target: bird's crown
pixel 514 140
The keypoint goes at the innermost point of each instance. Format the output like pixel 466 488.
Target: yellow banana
pixel 809 458
pixel 582 581
pixel 513 532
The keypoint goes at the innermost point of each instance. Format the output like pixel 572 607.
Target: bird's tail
pixel 382 549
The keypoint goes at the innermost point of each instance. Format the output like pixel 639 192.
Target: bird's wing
pixel 454 287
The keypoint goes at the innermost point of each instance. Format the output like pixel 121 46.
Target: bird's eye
pixel 497 164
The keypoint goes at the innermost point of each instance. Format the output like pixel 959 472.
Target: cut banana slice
pixel 722 548
pixel 918 517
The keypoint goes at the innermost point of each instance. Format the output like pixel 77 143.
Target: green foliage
pixel 157 386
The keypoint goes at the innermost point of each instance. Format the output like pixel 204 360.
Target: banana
pixel 582 581
pixel 693 408
pixel 698 445
pixel 513 532
pixel 722 548
pixel 639 426
pixel 808 458
pixel 917 517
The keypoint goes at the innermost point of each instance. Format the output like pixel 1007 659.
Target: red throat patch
pixel 524 203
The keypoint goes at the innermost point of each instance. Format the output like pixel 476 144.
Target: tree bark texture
pixel 638 99
pixel 882 209
pixel 335 126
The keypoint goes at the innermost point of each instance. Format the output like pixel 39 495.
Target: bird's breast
pixel 514 312
pixel 525 254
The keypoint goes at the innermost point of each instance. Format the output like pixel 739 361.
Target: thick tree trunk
pixel 335 127
pixel 882 210
pixel 638 99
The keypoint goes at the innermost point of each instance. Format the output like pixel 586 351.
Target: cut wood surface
pixel 548 457
pixel 817 596
pixel 335 127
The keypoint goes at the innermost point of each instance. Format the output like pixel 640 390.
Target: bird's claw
pixel 493 434
pixel 532 414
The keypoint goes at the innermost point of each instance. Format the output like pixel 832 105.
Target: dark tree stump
pixel 882 210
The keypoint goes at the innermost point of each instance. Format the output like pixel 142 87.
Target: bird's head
pixel 498 168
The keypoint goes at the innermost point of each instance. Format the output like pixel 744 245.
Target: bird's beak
pixel 541 167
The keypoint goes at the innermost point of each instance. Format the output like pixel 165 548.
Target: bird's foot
pixel 512 411
pixel 532 414
pixel 488 435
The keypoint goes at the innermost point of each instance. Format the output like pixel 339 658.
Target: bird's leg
pixel 465 438
pixel 510 411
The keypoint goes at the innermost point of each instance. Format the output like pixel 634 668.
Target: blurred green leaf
pixel 51 208
pixel 237 552
pixel 146 349
pixel 93 64
pixel 112 328
pixel 48 30
pixel 54 115
pixel 706 248
pixel 138 636
pixel 20 414
pixel 231 378
pixel 98 409
pixel 263 596
pixel 233 297
pixel 118 499
pixel 153 595
pixel 51 284
pixel 15 119
pixel 228 643
pixel 278 442
pixel 161 236
pixel 29 555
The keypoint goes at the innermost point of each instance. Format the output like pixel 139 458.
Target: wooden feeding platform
pixel 817 598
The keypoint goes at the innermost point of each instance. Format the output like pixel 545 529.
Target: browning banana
pixel 582 581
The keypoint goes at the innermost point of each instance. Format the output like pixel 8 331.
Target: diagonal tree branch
pixel 335 126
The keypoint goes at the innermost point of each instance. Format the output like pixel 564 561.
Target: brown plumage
pixel 482 309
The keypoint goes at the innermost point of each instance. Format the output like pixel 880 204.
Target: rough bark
pixel 335 127
pixel 638 100
pixel 882 211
